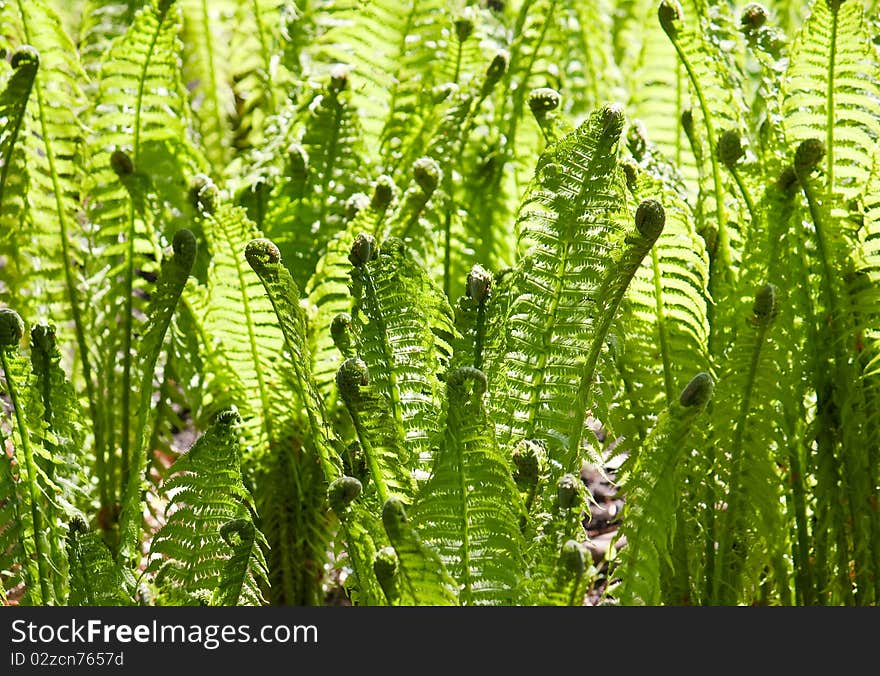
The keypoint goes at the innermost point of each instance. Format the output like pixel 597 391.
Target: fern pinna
pixel 307 303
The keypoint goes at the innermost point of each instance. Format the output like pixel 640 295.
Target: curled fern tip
pixel 650 219
pixel 121 163
pixel 698 391
pixel 753 17
pixel 427 174
pixel 568 489
pixel 25 55
pixel 184 246
pixel 363 250
pixel 808 155
pixel 261 253
pixel 671 15
pixel 11 328
pixel 342 492
pixel 730 149
pixel 543 100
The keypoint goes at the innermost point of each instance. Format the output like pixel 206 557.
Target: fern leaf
pixel 325 168
pixel 190 553
pixel 172 280
pixel 207 33
pixel 650 485
pixel 424 580
pixel 377 41
pixel 570 228
pixel 752 491
pixel 402 349
pixel 830 90
pixel 102 22
pixel 247 364
pixel 469 507
pixel 245 570
pixel 13 178
pixel 35 510
pixel 95 577
pixel 265 259
pixel 665 317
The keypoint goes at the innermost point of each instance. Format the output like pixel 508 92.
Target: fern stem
pixel 128 317
pixel 68 263
pixel 723 587
pixel 30 464
pixel 393 390
pixel 802 565
pixel 723 241
pixel 480 334
pixel 661 327
pixel 268 89
pixel 746 195
pixel 464 515
pixel 833 7
pixel 575 586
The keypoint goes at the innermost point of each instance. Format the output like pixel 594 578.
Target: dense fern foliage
pixel 308 301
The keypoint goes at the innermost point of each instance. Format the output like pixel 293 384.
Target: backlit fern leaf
pixel 13 176
pixel 424 580
pixel 102 22
pixel 207 30
pixel 191 552
pixel 666 327
pixel 402 323
pixel 245 344
pixel 96 579
pixel 378 40
pixel 323 169
pixel 50 144
pixel 469 508
pixel 570 227
pixel 831 91
pixel 650 482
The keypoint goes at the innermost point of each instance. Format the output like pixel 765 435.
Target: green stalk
pixel 30 464
pixel 69 263
pixel 668 384
pixel 128 316
pixel 722 585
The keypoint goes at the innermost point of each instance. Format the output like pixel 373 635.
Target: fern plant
pixel 301 302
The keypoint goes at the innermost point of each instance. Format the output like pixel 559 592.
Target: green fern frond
pixel 247 365
pixel 324 167
pixel 35 515
pixel 753 490
pixel 208 60
pixel 423 578
pixel 261 35
pixel 403 348
pixel 380 43
pixel 665 311
pixel 469 509
pixel 102 22
pixel 570 230
pixel 190 553
pixel 96 579
pixel 830 91
pixel 245 570
pixel 650 484
pixel 172 280
pixel 13 176
pixel 328 288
